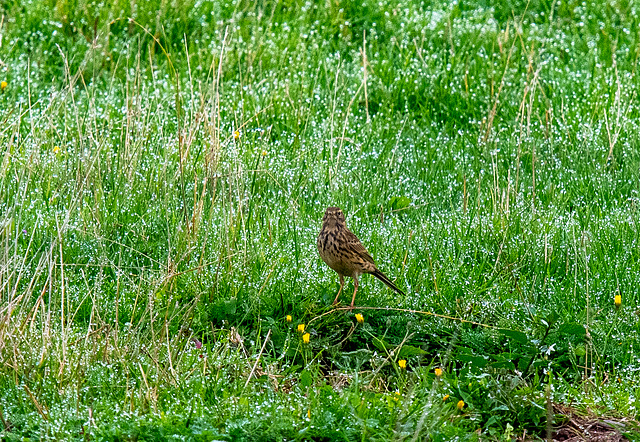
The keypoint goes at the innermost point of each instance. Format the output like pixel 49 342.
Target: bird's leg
pixel 335 301
pixel 355 290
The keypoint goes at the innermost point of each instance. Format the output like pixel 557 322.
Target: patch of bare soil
pixel 579 427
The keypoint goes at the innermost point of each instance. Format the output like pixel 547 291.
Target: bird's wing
pixel 357 247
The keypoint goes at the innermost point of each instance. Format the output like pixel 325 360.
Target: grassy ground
pixel 163 174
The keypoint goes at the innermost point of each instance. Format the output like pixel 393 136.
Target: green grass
pixel 490 163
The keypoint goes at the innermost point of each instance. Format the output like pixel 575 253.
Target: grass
pixel 163 174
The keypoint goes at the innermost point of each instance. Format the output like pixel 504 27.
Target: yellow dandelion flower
pixel 306 338
pixel 56 149
pixel 402 363
pixel 309 413
pixel 3 85
pixel 438 372
pixel 264 153
pixel 396 395
pixel 460 405
pixel 359 318
pixel 445 397
pixel 236 134
pixel 289 318
pixel 617 301
pixel 301 328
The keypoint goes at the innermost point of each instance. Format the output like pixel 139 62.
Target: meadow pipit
pixel 344 253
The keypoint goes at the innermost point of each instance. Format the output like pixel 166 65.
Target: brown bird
pixel 344 253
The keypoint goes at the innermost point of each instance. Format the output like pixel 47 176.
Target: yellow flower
pixel 264 153
pixel 359 318
pixel 446 396
pixel 617 301
pixel 460 405
pixel 236 134
pixel 56 149
pixel 402 363
pixel 438 372
pixel 3 85
pixel 396 395
pixel 289 318
pixel 306 337
pixel 309 413
pixel 301 328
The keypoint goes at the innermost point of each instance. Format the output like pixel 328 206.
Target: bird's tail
pixel 382 277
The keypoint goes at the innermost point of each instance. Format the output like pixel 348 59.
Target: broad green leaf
pixel 516 335
pixel 305 378
pixel 572 329
pixel 400 202
pixel 478 361
pixel 410 350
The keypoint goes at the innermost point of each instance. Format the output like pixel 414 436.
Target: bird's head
pixel 333 216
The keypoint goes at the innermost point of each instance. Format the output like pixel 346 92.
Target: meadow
pixel 164 169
